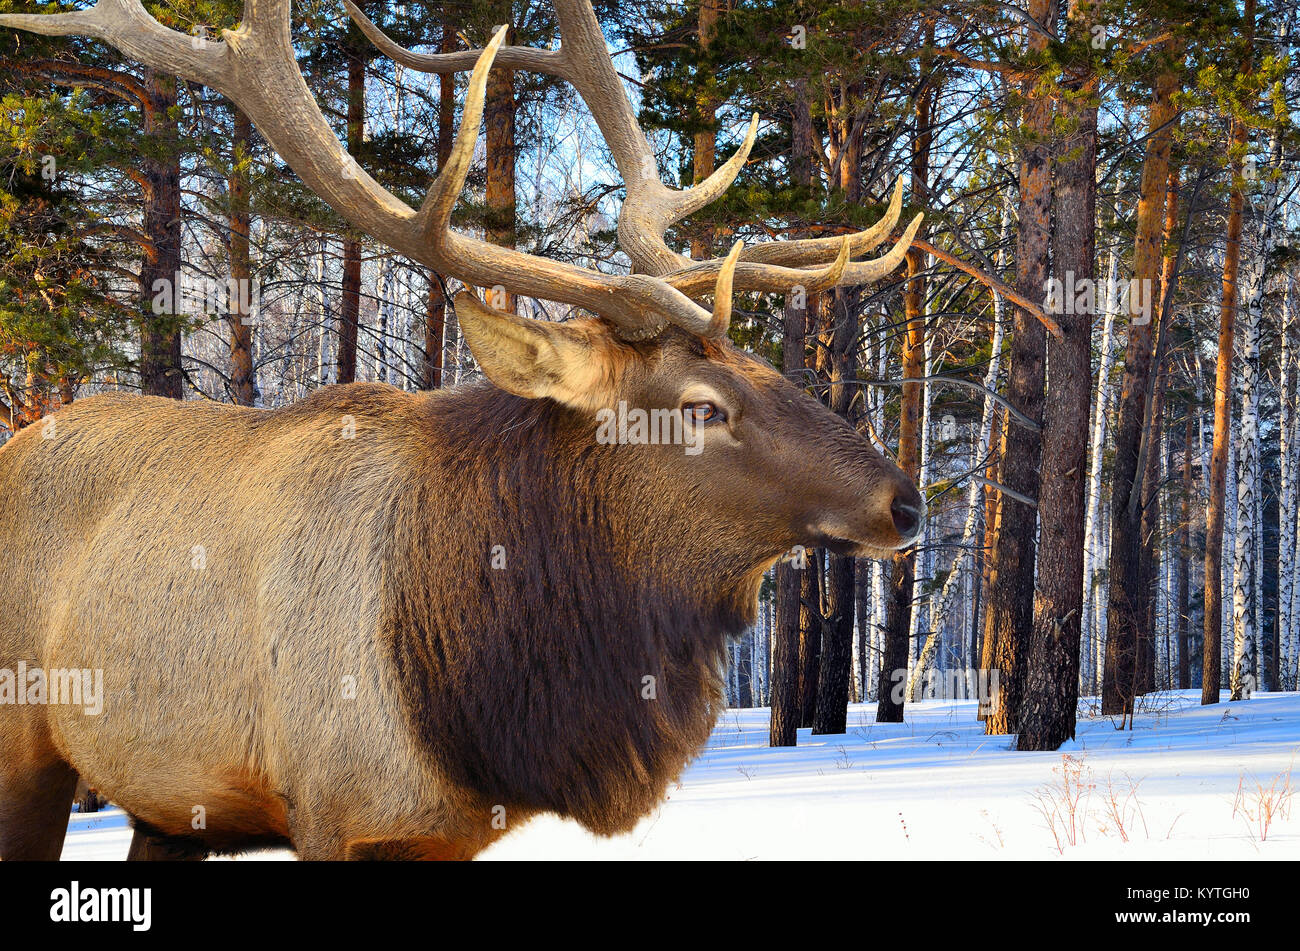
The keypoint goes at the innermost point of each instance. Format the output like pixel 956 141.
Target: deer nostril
pixel 907 516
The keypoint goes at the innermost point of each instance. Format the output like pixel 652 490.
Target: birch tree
pixel 1094 620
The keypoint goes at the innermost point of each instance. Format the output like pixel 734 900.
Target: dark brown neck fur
pixel 526 683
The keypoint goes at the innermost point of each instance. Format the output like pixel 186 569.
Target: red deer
pixel 384 624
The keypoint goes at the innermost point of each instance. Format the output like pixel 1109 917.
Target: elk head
pixel 722 440
pixel 774 467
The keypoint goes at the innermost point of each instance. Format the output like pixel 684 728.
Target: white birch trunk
pixel 325 358
pixel 1289 501
pixel 1246 591
pixel 1093 555
pixel 1229 564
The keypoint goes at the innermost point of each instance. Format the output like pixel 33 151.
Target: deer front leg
pixel 146 847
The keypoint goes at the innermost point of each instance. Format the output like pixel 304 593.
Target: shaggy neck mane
pixel 530 681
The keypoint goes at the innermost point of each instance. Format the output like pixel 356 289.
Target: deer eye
pixel 704 412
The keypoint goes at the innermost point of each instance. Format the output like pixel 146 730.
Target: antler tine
pixel 809 251
pixel 832 274
pixel 778 279
pixel 435 212
pixel 722 294
pixel 690 200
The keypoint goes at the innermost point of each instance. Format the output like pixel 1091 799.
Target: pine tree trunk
pixel 435 327
pixel 705 140
pixel 1051 690
pixel 787 707
pixel 1214 533
pixel 435 314
pixel 893 667
pixel 240 290
pixel 1125 603
pixel 1009 610
pixel 350 304
pixel 784 689
pixel 810 634
pixel 834 670
pixel 160 272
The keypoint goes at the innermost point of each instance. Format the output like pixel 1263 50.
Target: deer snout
pixel 872 520
pixel 907 509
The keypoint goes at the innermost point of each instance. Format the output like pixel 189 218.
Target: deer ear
pixel 536 358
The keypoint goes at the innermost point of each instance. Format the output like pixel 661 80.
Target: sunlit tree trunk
pixel 1009 611
pixel 705 140
pixel 786 702
pixel 1051 689
pixel 1125 606
pixel 1214 528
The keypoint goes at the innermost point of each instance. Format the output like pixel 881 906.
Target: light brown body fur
pixel 223 681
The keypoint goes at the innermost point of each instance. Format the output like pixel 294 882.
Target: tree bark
pixel 833 674
pixel 1009 609
pixel 892 686
pixel 811 619
pixel 705 139
pixel 1124 608
pixel 350 304
pixel 240 288
pixel 787 708
pixel 1211 674
pixel 893 668
pixel 435 315
pixel 160 272
pixel 1183 622
pixel 784 726
pixel 1051 695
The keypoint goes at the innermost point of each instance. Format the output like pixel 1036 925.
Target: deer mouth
pixel 858 549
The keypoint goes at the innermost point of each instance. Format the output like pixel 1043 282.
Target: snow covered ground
pixel 1189 782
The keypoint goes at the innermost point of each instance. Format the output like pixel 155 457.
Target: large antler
pixel 651 207
pixel 255 67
